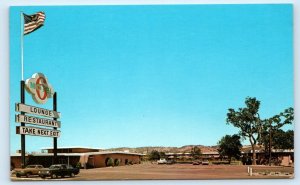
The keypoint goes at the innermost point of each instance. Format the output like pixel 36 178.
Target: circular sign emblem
pixel 39 88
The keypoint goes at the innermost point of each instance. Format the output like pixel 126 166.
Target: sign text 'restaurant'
pixel 37 121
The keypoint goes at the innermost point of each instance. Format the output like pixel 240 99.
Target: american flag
pixel 33 22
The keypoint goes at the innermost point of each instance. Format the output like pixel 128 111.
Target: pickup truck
pixel 28 171
pixel 56 170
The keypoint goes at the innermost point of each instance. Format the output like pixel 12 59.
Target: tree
pixel 283 140
pixel 280 139
pixel 230 146
pixel 196 152
pixel 154 155
pixel 248 121
pixel 162 155
pixel 252 127
pixel 273 136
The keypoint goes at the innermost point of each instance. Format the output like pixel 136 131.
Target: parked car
pixel 57 170
pixel 162 161
pixel 28 171
pixel 197 162
pixel 205 162
pixel 171 162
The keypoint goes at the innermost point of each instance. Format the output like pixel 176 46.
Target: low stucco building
pixel 211 155
pixel 86 157
pixel 283 157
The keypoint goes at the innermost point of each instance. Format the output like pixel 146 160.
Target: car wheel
pixel 43 177
pixel 28 175
pixel 53 176
pixel 18 175
pixel 72 174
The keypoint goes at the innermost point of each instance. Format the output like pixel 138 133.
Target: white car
pixel 162 161
pixel 205 162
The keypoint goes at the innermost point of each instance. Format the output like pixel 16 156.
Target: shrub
pixel 117 162
pixel 78 165
pixel 110 162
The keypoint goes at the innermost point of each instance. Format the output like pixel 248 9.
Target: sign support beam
pixel 270 145
pixel 23 146
pixel 55 139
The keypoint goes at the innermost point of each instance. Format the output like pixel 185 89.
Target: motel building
pixel 282 157
pixel 209 155
pixel 83 156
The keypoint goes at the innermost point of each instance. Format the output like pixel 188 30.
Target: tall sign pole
pixel 55 128
pixel 23 146
pixel 270 145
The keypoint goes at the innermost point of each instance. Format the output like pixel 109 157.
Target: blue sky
pixel 154 75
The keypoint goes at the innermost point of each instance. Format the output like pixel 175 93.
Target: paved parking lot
pixel 175 171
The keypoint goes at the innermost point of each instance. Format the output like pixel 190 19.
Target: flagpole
pixel 23 146
pixel 22 43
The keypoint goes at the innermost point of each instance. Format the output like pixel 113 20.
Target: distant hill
pixel 148 149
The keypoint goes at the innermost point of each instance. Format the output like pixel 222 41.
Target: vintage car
pixel 57 170
pixel 162 161
pixel 28 171
pixel 171 162
pixel 205 162
pixel 197 162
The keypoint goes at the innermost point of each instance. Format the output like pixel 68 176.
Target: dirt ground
pixel 175 171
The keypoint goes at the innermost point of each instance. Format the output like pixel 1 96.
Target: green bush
pixel 117 162
pixel 110 162
pixel 78 165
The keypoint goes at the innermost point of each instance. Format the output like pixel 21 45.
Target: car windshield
pixel 54 167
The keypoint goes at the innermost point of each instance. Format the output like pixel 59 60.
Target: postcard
pixel 151 92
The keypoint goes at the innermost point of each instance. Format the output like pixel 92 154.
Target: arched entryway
pixel 126 162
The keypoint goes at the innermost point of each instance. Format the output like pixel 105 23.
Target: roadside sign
pixel 34 131
pixel 39 88
pixel 37 111
pixel 37 121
